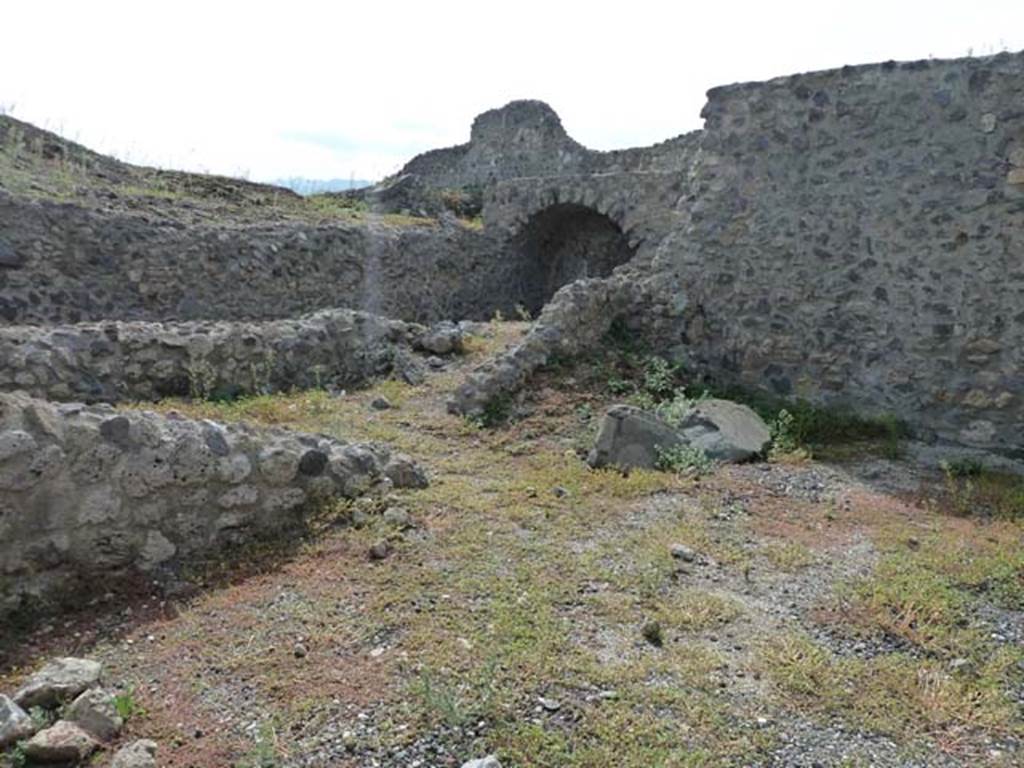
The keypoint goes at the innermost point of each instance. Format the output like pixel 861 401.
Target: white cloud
pixel 326 89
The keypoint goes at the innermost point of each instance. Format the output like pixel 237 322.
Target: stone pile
pixel 63 714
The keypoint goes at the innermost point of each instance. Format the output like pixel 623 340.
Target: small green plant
pixel 966 466
pixel 264 753
pixel 784 435
pixel 659 377
pixel 676 409
pixel 523 313
pixel 18 757
pixel 126 705
pixel 619 386
pixel 496 412
pixel 684 459
pixel 41 717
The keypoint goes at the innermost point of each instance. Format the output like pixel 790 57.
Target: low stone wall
pixel 116 361
pixel 88 492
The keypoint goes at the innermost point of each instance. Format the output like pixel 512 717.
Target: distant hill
pixel 313 186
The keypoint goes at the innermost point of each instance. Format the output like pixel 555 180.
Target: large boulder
pixel 725 431
pixel 57 682
pixel 631 438
pixel 15 724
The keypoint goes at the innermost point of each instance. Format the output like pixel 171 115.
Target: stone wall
pixel 87 492
pixel 116 361
pixel 855 236
pixel 526 139
pixel 64 263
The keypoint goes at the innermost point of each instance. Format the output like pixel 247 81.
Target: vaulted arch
pixel 562 243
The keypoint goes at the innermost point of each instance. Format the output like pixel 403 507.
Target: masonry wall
pixel 62 263
pixel 857 236
pixel 87 493
pixel 115 361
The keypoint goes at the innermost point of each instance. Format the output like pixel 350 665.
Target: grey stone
pixel 15 724
pixel 442 339
pixel 397 517
pixel 94 711
pixel 138 754
pixel 405 473
pixel 9 258
pixel 380 403
pixel 683 552
pixel 63 742
pixel 379 550
pixel 629 437
pixel 725 431
pixel 58 681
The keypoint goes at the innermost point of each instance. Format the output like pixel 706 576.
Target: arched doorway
pixel 562 243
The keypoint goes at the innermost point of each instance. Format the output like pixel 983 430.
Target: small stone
pixel 551 705
pixel 1015 176
pixel 380 550
pixel 95 712
pixel 15 724
pixel 9 258
pixel 300 651
pixel 397 517
pixel 683 552
pixel 138 754
pixel 405 473
pixel 62 742
pixel 435 362
pixel 58 681
pixel 988 122
pixel 380 403
pixel 491 761
pixel 560 491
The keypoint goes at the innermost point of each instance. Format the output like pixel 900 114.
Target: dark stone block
pixel 313 463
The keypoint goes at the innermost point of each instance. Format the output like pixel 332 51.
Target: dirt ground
pixel 793 612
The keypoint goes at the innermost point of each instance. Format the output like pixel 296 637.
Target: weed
pixel 659 377
pixel 126 705
pixel 496 412
pixel 789 556
pixel 975 490
pixel 684 459
pixel 265 752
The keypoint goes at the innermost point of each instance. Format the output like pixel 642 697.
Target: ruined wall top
pixel 525 139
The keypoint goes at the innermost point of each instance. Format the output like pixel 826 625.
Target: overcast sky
pixel 334 89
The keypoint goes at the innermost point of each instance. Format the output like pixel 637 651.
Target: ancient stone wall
pixel 89 492
pixel 856 236
pixel 62 263
pixel 526 139
pixel 116 361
